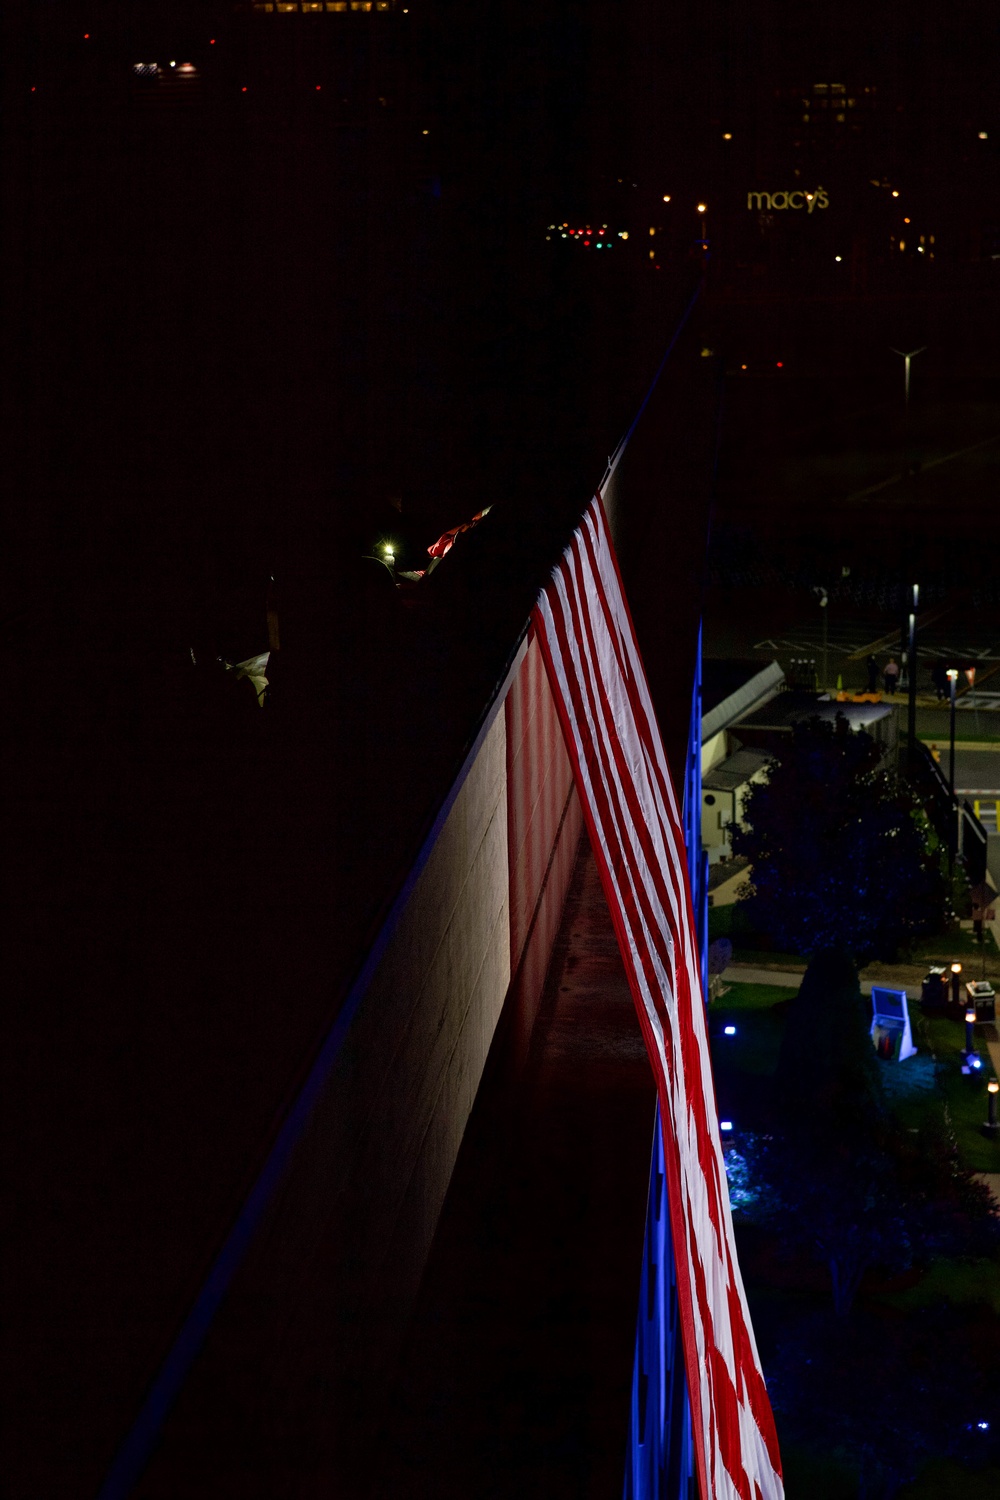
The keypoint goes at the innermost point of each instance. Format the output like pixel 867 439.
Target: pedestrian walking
pixel 872 665
pixel 891 675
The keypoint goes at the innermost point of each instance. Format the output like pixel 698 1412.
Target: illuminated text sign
pixel 795 199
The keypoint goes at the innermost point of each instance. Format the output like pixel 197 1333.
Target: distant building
pixel 731 691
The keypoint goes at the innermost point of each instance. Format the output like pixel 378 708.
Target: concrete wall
pixel 544 825
pixel 318 1310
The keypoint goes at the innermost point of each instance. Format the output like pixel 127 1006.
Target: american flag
pixel 595 670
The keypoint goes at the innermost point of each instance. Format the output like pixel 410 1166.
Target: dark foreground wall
pixel 287 1391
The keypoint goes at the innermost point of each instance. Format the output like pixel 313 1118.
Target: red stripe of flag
pixel 588 644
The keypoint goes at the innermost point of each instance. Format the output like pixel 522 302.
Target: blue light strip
pixel 659 1462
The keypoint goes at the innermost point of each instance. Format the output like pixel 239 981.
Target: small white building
pixel 732 691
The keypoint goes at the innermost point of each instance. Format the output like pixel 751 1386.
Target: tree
pixel 841 855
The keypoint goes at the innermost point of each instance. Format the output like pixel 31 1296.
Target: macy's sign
pixel 809 201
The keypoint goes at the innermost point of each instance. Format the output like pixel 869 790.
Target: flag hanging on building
pixel 597 678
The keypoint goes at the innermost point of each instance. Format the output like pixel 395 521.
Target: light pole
pixel 824 600
pixel 970 1021
pixel 911 682
pixel 906 373
pixel 956 970
pixel 952 841
pixel 992 1089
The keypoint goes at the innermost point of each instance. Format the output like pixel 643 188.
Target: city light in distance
pixel 728 135
pixel 703 208
pixel 895 192
pixel 725 1125
pixel 666 197
pixel 598 237
pixel 838 258
pixel 730 1030
pixel 983 136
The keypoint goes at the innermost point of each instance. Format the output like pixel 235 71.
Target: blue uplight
pixel 725 1124
pixel 729 1030
pixel 983 1426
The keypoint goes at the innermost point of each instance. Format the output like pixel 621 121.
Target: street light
pixel 992 1089
pixel 970 1021
pixel 952 680
pixel 703 210
pixel 824 599
pixel 906 371
pixel 956 971
pixel 911 685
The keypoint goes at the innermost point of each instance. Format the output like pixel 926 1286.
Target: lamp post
pixel 952 840
pixel 911 676
pixel 823 599
pixel 956 979
pixel 970 1021
pixel 906 373
pixel 992 1089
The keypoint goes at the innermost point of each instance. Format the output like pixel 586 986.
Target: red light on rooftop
pixel 211 41
pixel 243 89
pixel 318 87
pixel 86 36
pixel 780 365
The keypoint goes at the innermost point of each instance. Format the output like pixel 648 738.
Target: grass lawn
pixel 739 996
pixel 730 922
pixel 961 945
pixel 784 1294
pixel 745 1063
pixel 964 1282
pixel 949 1481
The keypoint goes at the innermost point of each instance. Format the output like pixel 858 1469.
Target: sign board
pixel 796 199
pixel 890 1030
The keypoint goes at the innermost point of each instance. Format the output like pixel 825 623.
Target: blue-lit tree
pixel 841 855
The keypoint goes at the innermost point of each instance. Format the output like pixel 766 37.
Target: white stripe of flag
pixel 597 679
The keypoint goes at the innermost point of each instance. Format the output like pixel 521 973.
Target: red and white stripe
pixel 595 670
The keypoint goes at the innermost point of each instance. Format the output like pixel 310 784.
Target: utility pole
pixel 911 667
pixel 953 834
pixel 824 603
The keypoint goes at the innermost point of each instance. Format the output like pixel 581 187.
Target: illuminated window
pixel 361 4
pixel 284 7
pixel 312 5
pixel 261 9
pixel 336 4
pixel 383 5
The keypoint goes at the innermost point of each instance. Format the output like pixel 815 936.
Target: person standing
pixel 891 675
